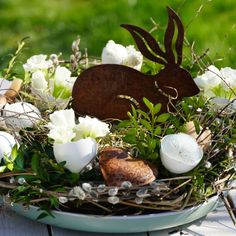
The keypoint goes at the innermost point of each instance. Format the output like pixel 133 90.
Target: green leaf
pixel 124 124
pixel 163 117
pixel 144 114
pixel 148 104
pixel 130 137
pixel 134 113
pixel 54 201
pixel 42 215
pixel 197 126
pixel 2 169
pixel 152 143
pixel 156 108
pixel 146 124
pixel 19 162
pixel 35 162
pixel 157 130
pixel 10 166
pixel 170 131
pixel 14 152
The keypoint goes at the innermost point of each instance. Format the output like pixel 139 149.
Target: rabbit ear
pixel 174 19
pixel 147 45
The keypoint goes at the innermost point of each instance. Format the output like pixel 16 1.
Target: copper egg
pixel 118 166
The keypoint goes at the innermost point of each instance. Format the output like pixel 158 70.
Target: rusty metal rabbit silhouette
pixel 102 90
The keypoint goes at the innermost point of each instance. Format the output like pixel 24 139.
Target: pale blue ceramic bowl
pixel 121 224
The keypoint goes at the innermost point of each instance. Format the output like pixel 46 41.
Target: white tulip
pixel 62 76
pixel 135 58
pixel 38 81
pixel 62 118
pixel 37 62
pixel 91 127
pixel 180 153
pixel 7 142
pixel 62 83
pixel 220 103
pixel 210 79
pixel 21 115
pixel 114 53
pixel 76 154
pixel 61 126
pixel 229 78
pixel 61 134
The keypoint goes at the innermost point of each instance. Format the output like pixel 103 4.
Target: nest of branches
pixel 33 176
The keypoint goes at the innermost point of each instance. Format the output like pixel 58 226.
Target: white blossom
pixel 7 142
pixel 210 79
pixel 37 62
pixel 134 58
pixel 114 53
pixel 220 103
pixel 38 81
pixel 61 126
pixel 228 77
pixel 91 127
pixel 63 77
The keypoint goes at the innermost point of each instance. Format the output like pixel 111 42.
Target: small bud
pixel 126 184
pixel 93 194
pixel 230 153
pixel 101 188
pixel 143 192
pixel 12 180
pixel 138 200
pixel 87 187
pixel 21 180
pixel 112 191
pixel 75 45
pixel 89 167
pixel 199 110
pixel 78 192
pixel 113 200
pixel 63 200
pixel 207 164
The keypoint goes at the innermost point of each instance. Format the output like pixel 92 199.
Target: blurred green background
pixel 52 25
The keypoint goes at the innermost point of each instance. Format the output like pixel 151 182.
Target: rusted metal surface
pixel 106 91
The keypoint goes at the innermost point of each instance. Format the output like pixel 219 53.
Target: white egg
pixel 21 115
pixel 7 142
pixel 180 153
pixel 76 154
